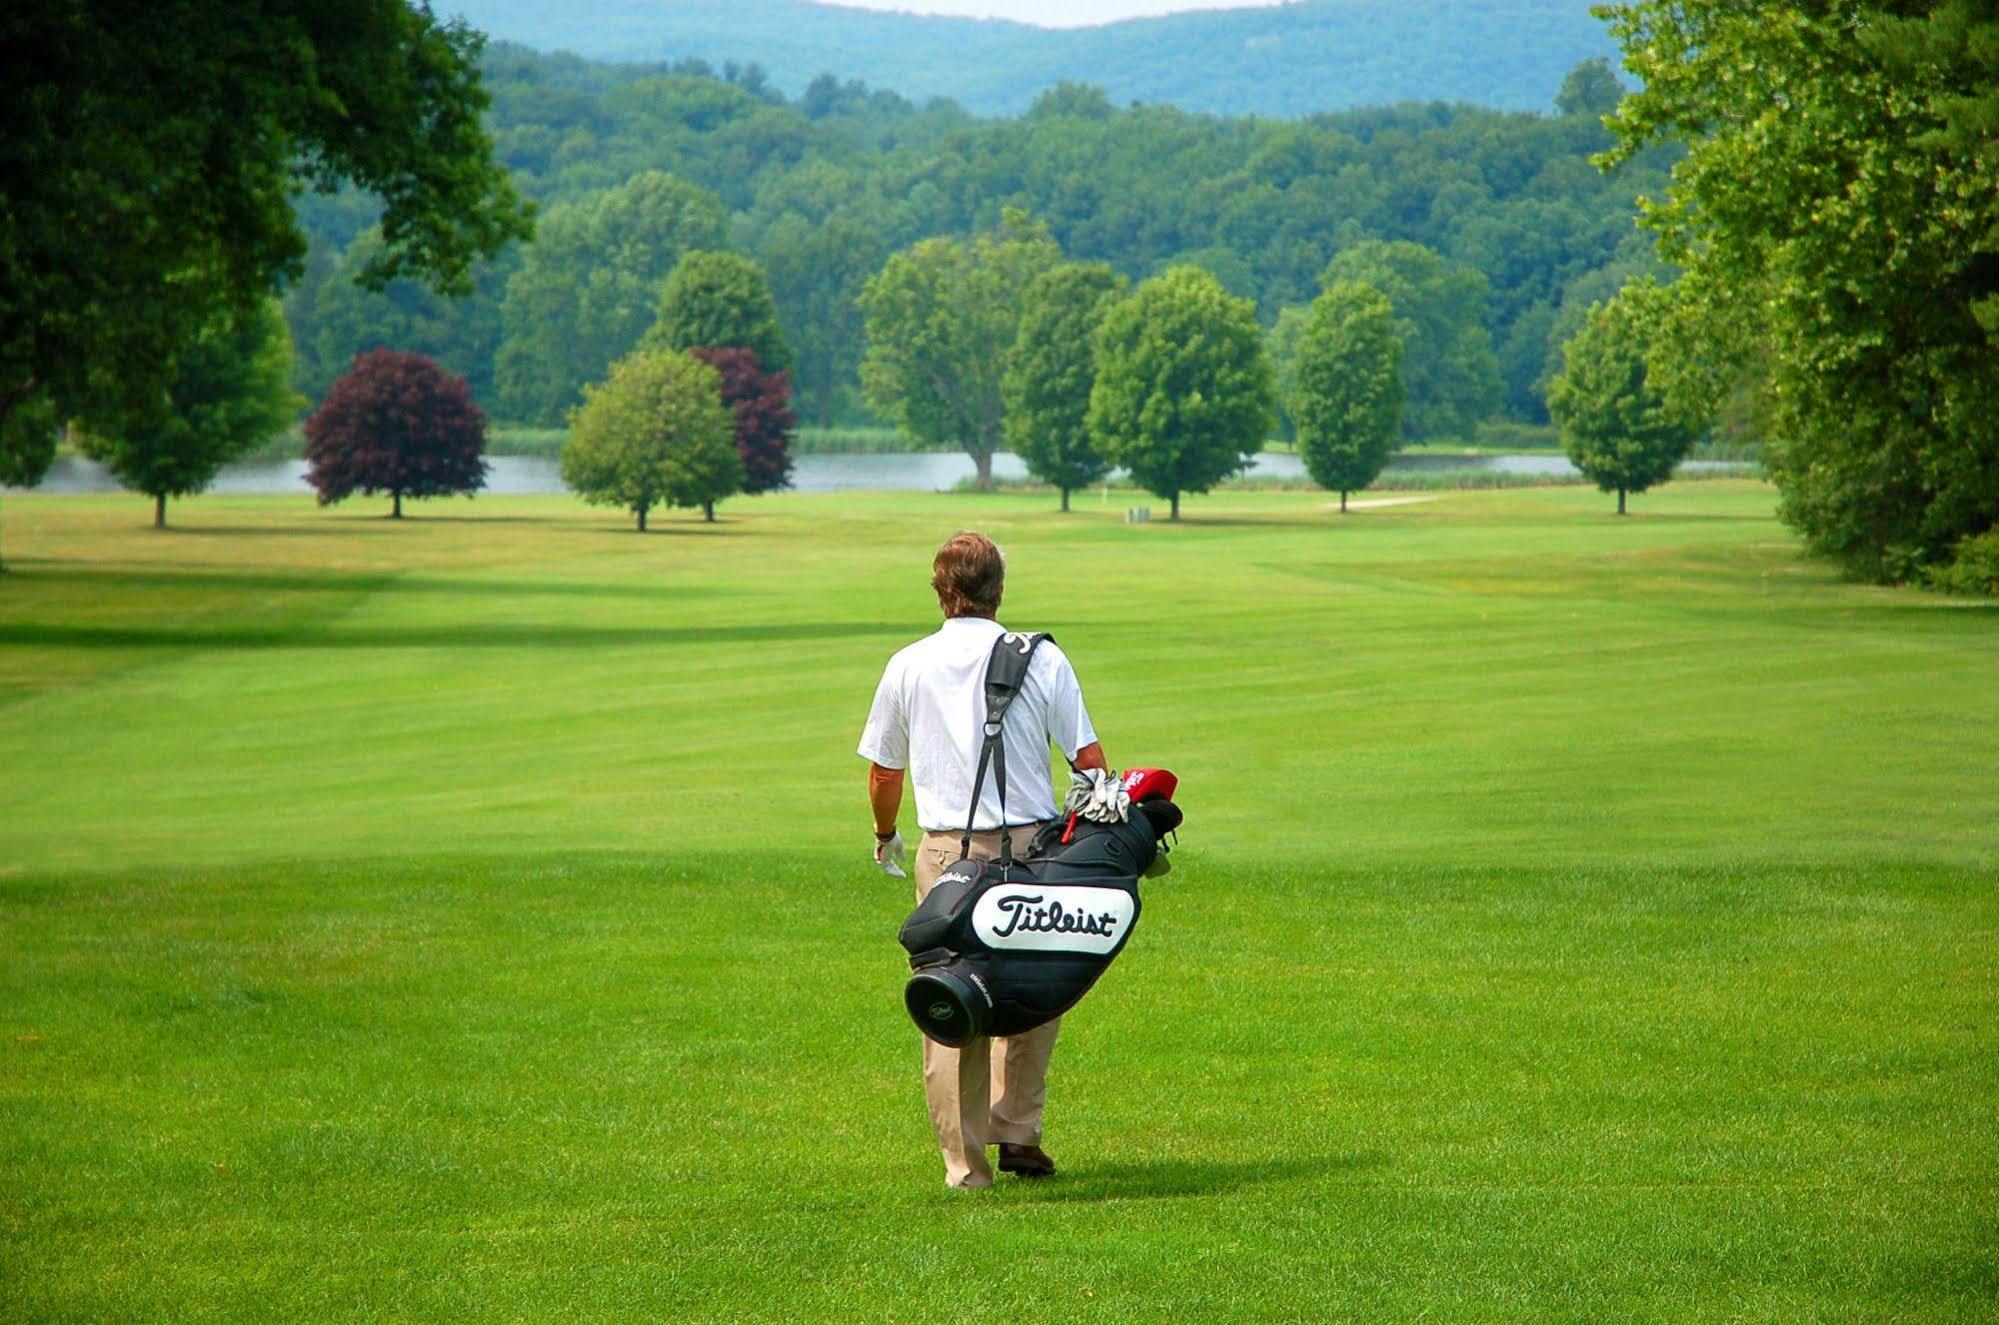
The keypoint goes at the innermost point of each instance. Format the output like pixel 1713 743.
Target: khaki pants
pixel 990 1090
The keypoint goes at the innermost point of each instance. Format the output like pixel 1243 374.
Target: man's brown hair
pixel 969 575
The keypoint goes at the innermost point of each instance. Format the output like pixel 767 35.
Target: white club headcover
pixel 1097 795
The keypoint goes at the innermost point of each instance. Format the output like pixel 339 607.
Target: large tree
pixel 941 318
pixel 654 433
pixel 395 422
pixel 1182 397
pixel 714 300
pixel 1347 389
pixel 150 154
pixel 1448 366
pixel 1837 213
pixel 229 394
pixel 1046 390
pixel 1621 427
pixel 590 287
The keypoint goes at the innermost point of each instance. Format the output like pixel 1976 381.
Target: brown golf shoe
pixel 1027 1161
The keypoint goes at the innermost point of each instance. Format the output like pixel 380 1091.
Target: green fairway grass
pixel 469 917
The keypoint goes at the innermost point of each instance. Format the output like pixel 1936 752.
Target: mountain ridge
pixel 1285 61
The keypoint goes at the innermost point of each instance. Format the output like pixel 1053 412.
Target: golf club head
pixel 1163 815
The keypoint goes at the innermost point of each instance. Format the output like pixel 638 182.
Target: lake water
pixel 912 472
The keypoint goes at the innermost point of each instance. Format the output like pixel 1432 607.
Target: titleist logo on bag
pixel 1039 918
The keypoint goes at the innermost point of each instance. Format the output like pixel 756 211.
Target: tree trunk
pixel 642 517
pixel 708 509
pixel 1343 501
pixel 1176 507
pixel 159 510
pixel 1065 500
pixel 397 513
pixel 1620 501
pixel 984 460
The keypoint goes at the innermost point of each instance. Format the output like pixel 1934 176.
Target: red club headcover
pixel 1143 784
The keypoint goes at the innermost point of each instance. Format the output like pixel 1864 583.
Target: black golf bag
pixel 1001 946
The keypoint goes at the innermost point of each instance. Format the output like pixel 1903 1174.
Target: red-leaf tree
pixel 762 405
pixel 396 423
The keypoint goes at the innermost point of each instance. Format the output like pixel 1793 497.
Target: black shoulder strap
pixel 1006 672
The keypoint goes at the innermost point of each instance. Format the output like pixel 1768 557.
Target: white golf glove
pixel 889 855
pixel 1098 795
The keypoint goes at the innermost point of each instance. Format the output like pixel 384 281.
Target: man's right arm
pixel 885 745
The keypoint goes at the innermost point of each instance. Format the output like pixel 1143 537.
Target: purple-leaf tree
pixel 396 423
pixel 761 403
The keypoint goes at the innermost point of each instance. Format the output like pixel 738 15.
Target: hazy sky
pixel 1053 13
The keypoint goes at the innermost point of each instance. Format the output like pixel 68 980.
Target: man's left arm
pixel 1069 728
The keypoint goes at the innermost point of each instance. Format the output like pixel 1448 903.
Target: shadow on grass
pixel 360 582
pixel 1176 1178
pixel 1241 522
pixel 488 635
pixel 719 528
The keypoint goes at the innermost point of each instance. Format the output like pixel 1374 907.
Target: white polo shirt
pixel 930 711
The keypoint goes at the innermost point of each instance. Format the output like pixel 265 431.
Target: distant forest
pixel 1282 60
pixel 633 164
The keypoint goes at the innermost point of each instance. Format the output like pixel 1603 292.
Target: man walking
pixel 927 719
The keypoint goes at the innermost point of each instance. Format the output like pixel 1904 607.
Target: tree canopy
pixel 1347 388
pixel 654 433
pixel 715 300
pixel 1620 426
pixel 941 318
pixel 228 395
pixel 823 188
pixel 590 287
pixel 1182 396
pixel 1050 370
pixel 1448 368
pixel 150 157
pixel 1837 214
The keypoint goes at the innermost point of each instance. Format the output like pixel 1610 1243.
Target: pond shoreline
pixel 916 471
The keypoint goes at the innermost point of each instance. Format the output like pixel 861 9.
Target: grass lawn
pixel 466 918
